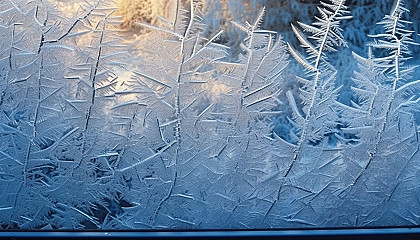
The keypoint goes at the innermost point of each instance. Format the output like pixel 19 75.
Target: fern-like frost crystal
pixel 109 123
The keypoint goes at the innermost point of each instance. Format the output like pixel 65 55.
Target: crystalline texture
pixel 181 136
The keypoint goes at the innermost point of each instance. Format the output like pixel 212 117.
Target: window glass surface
pixel 212 114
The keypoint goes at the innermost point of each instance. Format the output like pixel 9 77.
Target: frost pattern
pixel 182 136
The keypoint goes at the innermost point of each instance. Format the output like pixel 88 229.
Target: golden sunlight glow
pixel 216 89
pixel 68 8
pixel 133 11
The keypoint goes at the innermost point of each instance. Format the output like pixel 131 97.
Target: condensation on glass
pixel 173 125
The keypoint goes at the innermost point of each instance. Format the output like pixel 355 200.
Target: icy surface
pixel 170 131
